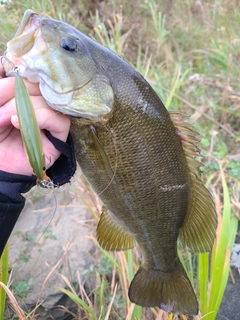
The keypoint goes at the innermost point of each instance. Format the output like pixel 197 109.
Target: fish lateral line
pixel 167 188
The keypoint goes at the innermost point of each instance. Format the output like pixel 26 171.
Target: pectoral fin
pixel 111 236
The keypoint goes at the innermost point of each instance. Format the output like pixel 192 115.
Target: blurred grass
pixel 3 279
pixel 189 52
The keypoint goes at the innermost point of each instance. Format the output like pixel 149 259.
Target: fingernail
pixel 15 118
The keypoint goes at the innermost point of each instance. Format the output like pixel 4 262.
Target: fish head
pixel 58 56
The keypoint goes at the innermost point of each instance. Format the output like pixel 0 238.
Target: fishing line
pixel 116 163
pixel 4 57
pixel 28 250
pixel 45 230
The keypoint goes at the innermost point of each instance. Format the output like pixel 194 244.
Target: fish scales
pixel 138 157
pixel 140 175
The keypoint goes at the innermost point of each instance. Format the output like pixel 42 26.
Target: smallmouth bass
pixel 137 156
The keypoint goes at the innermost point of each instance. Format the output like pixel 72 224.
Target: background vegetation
pixel 188 50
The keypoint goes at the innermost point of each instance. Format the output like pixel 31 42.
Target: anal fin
pixel 111 235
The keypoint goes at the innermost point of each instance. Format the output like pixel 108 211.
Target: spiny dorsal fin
pixel 189 140
pixel 199 228
pixel 111 235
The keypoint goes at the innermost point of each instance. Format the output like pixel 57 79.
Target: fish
pixel 138 157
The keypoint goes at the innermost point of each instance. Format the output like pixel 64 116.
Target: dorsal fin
pixel 189 139
pixel 199 228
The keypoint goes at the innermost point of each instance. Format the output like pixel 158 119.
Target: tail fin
pixel 171 292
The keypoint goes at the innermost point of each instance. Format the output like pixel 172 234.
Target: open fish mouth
pixel 56 56
pixel 27 41
pixel 31 21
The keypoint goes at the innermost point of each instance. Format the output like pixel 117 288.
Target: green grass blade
pixel 130 271
pixel 137 313
pixel 177 84
pixel 187 264
pixel 191 268
pixel 203 272
pixel 228 233
pixel 3 278
pixel 79 302
pixel 220 260
pixel 108 255
pixel 218 272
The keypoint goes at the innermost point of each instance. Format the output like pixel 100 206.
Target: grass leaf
pixel 79 302
pixel 3 279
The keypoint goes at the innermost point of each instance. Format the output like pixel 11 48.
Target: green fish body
pixel 138 157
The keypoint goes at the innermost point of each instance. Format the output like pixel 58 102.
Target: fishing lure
pixel 30 131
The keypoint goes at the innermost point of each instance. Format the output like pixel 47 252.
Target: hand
pixel 13 157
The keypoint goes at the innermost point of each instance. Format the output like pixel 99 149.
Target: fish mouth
pixel 27 40
pixel 67 83
pixel 31 20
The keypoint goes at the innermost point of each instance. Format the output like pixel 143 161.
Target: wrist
pixel 13 185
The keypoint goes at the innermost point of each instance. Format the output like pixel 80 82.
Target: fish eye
pixel 68 44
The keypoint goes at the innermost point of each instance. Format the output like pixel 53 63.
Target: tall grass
pixel 3 279
pixel 215 266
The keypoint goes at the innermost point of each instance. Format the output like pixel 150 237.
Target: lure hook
pixel 15 68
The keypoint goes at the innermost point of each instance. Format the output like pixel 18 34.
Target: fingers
pixel 7 89
pixel 47 118
pixel 6 111
pixel 51 154
pixel 55 122
pixel 2 73
pixel 9 108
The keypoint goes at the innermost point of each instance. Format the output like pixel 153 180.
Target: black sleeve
pixel 13 185
pixel 9 213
